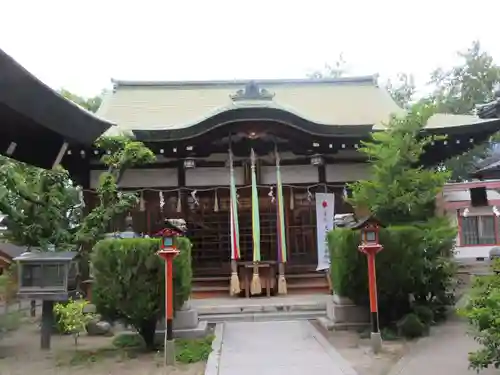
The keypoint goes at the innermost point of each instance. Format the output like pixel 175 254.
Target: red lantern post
pixel 168 251
pixel 371 246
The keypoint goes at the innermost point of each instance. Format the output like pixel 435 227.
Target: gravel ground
pixel 20 354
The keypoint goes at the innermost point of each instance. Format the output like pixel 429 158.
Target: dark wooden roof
pixel 491 109
pixel 47 256
pixel 365 221
pixel 37 119
pixel 11 250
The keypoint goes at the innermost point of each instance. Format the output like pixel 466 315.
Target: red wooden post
pixel 168 251
pixel 370 246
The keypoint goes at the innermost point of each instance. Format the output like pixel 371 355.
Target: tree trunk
pixel 147 331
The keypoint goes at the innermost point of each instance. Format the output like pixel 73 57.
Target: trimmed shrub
pixel 411 327
pixel 129 281
pixel 424 313
pixel 416 261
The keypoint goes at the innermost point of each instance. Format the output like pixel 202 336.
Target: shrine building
pixel 314 126
pixel 249 139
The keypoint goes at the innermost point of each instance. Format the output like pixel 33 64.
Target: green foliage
pixel 398 190
pixel 129 281
pixel 8 284
pixel 415 262
pixel 424 313
pixel 193 350
pixel 91 104
pixel 9 322
pixel 411 327
pixel 129 341
pixel 402 89
pixel 44 208
pixel 482 311
pixel 458 90
pixel 71 317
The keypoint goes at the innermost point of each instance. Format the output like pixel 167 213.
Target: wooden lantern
pixel 48 275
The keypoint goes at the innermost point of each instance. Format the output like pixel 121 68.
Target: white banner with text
pixel 325 211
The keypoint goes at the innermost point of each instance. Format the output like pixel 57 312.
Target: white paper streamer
pixel 292 199
pixel 271 193
pixel 309 195
pixel 195 198
pixel 179 202
pixel 142 203
pixel 344 193
pixel 216 202
pixel 162 200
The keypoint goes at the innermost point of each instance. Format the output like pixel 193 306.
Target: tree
pixel 482 312
pixel 44 207
pixel 399 190
pixel 91 104
pixel 72 317
pixel 402 89
pixel 337 70
pixel 458 91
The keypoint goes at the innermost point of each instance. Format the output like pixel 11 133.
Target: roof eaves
pixel 361 80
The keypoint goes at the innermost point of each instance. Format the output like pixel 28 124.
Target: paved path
pixel 278 348
pixel 444 353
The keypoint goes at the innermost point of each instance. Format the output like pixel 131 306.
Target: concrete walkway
pixel 444 352
pixel 277 348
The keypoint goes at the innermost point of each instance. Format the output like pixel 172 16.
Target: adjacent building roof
pixel 35 120
pixel 491 109
pixel 11 250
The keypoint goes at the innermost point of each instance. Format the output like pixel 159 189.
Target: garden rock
pixel 99 328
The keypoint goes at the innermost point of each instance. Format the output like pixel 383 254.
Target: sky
pixel 81 45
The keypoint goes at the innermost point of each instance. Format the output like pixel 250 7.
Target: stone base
pixel 376 342
pixel 169 353
pixel 199 331
pixel 343 310
pixel 185 319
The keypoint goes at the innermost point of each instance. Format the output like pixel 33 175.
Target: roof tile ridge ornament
pixel 252 91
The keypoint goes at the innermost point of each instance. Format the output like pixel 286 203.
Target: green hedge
pixel 416 261
pixel 129 281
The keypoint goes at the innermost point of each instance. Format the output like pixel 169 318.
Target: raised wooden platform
pixel 298 283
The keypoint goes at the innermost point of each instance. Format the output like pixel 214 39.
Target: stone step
pixel 261 306
pixel 329 325
pixel 263 316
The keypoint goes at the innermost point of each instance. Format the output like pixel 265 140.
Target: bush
pixel 129 341
pixel 411 327
pixel 193 350
pixel 424 313
pixel 416 261
pixel 129 281
pixel 72 319
pixel 482 311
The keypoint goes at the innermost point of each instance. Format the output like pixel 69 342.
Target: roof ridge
pixel 355 80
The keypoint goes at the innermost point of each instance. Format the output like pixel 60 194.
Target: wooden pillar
pixel 47 324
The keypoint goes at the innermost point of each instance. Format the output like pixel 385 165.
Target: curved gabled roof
pixel 162 106
pixel 31 112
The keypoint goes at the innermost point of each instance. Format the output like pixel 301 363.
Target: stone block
pixel 99 328
pixel 342 310
pixel 89 308
pixel 185 319
pixel 199 331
